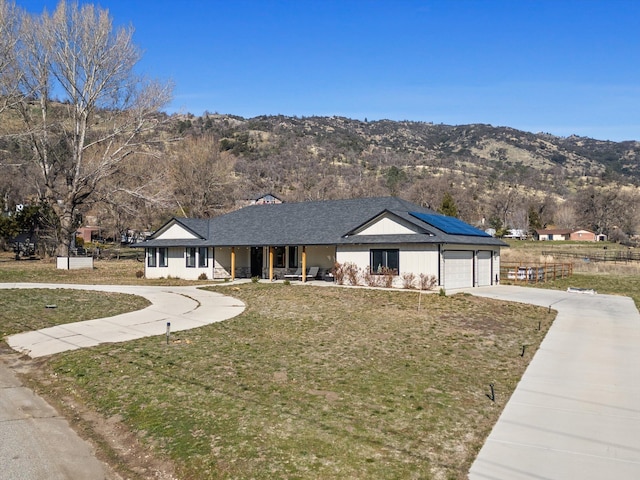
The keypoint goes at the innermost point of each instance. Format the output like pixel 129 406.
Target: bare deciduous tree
pixel 105 111
pixel 9 34
pixel 600 209
pixel 203 177
pixel 565 216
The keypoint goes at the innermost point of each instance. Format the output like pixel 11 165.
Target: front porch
pixel 273 262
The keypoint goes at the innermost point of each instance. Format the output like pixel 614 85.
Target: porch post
pixel 304 263
pixel 233 263
pixel 270 264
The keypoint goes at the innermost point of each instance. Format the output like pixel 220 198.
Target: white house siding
pixel 386 226
pixel 357 254
pixel 177 266
pixel 419 259
pixel 175 232
pixel 413 258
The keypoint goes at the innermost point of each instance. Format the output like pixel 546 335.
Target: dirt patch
pixel 328 395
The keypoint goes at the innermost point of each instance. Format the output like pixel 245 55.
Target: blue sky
pixel 559 66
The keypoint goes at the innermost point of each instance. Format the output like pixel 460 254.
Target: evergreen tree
pixel 448 206
pixel 534 220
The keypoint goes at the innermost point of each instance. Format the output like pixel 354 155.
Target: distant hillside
pixel 419 144
pixel 203 166
pixel 496 173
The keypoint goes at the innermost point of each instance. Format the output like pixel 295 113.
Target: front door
pixel 256 262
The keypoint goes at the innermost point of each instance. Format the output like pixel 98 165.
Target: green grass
pixel 314 382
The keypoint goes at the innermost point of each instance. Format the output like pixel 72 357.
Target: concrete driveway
pixel 183 307
pixel 576 412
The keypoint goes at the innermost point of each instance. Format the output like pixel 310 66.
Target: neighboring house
pixel 583 236
pixel 268 198
pixel 566 234
pixel 270 241
pixel 88 234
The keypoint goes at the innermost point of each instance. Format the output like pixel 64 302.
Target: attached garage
pixel 485 271
pixel 458 268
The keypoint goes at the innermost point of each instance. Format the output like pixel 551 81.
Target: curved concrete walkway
pixel 183 307
pixel 576 412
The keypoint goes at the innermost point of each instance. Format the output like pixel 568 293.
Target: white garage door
pixel 484 268
pixel 458 269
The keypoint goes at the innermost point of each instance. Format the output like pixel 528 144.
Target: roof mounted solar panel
pixel 449 225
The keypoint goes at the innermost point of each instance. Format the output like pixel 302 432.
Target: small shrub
pixel 226 279
pixel 338 273
pixel 427 282
pixel 286 282
pixel 388 275
pixel 352 273
pixel 203 276
pixel 139 274
pixel 442 292
pixel 408 280
pixel 255 279
pixel 370 279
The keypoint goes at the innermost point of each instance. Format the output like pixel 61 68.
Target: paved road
pixel 183 307
pixel 576 412
pixel 36 443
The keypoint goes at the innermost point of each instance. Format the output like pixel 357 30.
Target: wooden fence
pixel 534 273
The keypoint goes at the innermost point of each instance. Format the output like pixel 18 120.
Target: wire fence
pixel 616 256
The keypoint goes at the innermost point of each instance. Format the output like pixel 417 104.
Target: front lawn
pixel 23 310
pixel 316 382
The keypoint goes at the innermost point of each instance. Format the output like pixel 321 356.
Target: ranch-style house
pixel 295 240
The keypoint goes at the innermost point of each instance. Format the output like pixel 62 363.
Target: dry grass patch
pixel 23 310
pixel 317 383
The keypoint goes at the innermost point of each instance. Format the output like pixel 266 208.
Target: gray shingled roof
pixel 312 223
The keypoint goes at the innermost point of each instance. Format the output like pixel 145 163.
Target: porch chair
pixel 298 274
pixel 312 273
